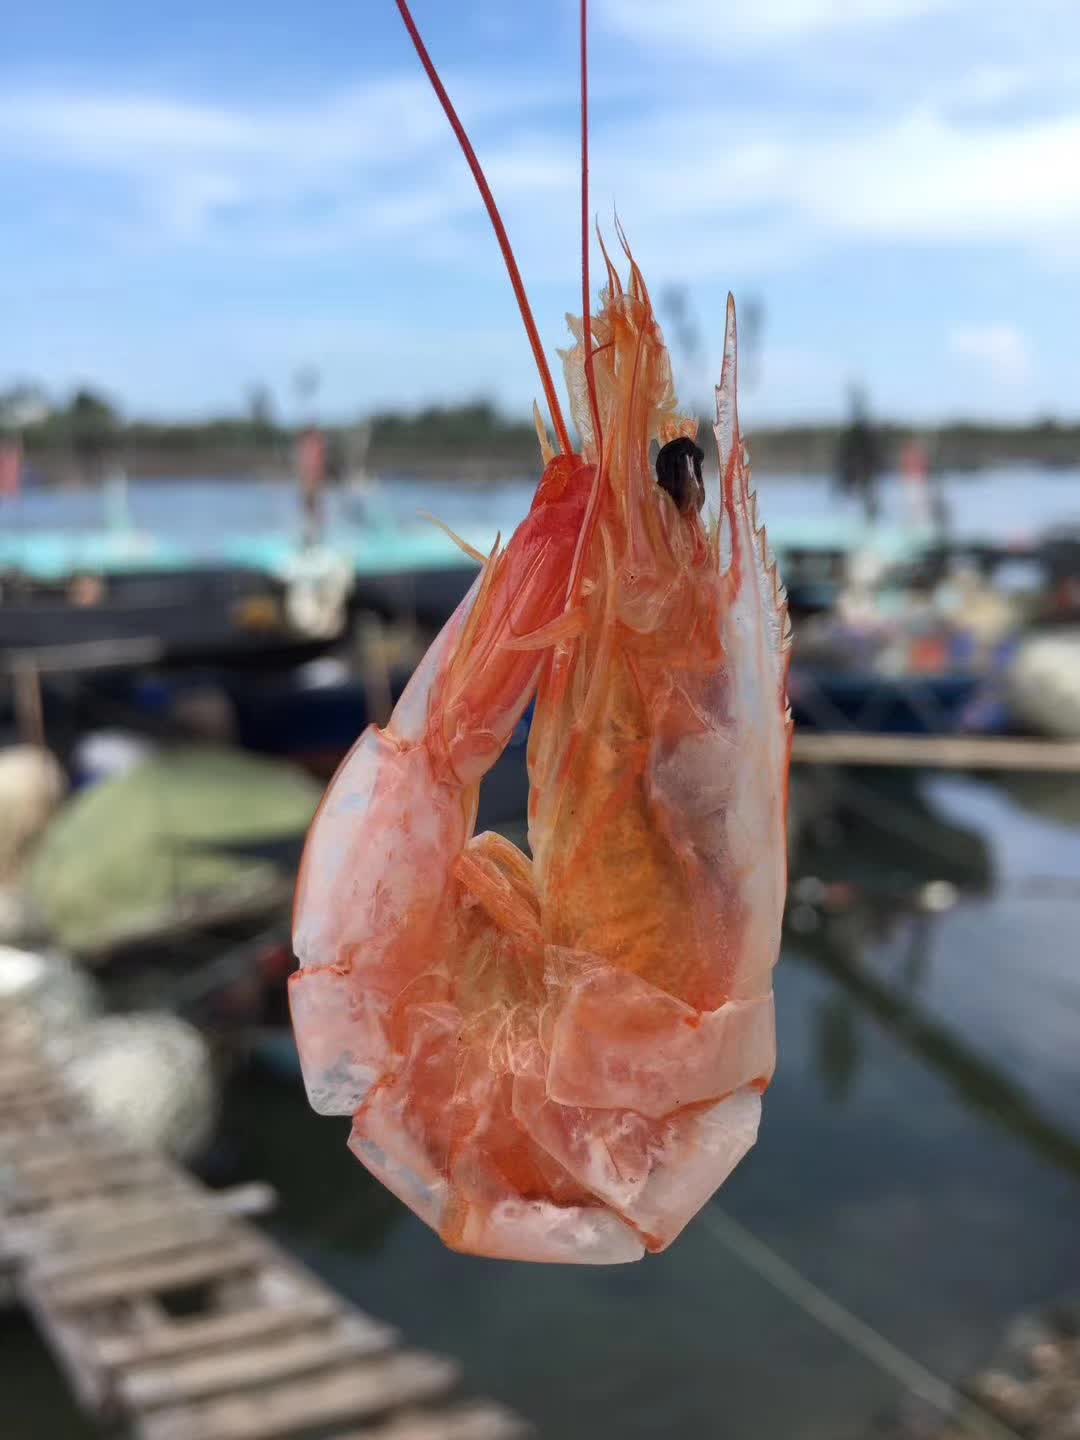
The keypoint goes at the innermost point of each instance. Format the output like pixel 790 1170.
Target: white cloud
pixel 379 123
pixel 708 185
pixel 368 160
pixel 374 167
pixel 924 177
pixel 999 349
pixel 990 84
pixel 742 139
pixel 736 25
pixel 920 177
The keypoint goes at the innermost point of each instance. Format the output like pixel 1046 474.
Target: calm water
pixel 919 1160
pixel 1001 504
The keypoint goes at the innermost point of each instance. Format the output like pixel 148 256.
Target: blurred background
pixel 254 329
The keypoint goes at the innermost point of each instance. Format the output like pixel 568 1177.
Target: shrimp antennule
pixel 496 223
pixel 584 538
pixel 586 295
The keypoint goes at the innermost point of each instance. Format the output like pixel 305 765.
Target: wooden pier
pixel 936 752
pixel 170 1313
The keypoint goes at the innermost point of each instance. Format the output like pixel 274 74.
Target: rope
pixel 861 1337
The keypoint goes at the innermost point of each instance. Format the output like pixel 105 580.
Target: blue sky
pixel 199 197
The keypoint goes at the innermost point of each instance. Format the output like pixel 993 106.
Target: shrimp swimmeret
pixel 562 1058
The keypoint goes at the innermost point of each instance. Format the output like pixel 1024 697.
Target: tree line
pixel 89 430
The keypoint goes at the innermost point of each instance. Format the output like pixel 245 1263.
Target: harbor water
pixel 199 513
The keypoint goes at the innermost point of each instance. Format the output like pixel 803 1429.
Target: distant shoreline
pixel 776 456
pixel 88 436
pixel 80 445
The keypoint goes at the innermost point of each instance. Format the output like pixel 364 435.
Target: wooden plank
pixel 46 1095
pixel 66 1339
pixel 46 1092
pixel 104 1232
pixel 64 1222
pixel 353 1394
pixel 178 1195
pixel 142 1245
pixel 56 1174
pixel 20 1072
pixel 275 1359
pixel 60 1124
pixel 21 1076
pixel 105 1156
pixel 204 1264
pixel 79 1209
pixel 85 655
pixel 37 1135
pixel 64 1185
pixel 479 1420
pixel 18 1127
pixel 111 1232
pixel 216 1332
pixel 945 752
pixel 254 1197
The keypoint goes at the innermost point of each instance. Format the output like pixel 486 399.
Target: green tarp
pixel 162 848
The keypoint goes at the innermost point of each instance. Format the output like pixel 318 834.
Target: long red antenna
pixel 586 291
pixel 497 224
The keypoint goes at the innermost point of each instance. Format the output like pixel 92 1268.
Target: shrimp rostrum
pixel 561 1058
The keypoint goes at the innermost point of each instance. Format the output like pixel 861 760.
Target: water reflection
pixel 916 968
pixel 1050 797
pixel 327 1197
pixel 837 1045
pixel 873 932
pixel 883 832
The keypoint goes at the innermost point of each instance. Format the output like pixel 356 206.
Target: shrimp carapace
pixel 560 1057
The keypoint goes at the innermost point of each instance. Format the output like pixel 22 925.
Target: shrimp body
pixel 561 1059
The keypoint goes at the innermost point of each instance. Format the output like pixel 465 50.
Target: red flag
pixel 312 461
pixel 10 468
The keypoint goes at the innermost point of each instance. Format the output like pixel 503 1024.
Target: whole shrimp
pixel 560 1059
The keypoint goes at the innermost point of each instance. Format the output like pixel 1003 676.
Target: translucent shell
pixel 560 1058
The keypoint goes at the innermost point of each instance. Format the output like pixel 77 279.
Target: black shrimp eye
pixel 678 471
